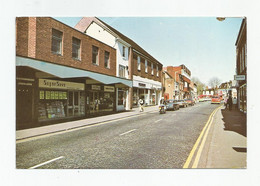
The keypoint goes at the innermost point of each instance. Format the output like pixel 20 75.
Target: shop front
pixel 60 99
pixel 243 98
pixel 100 99
pixel 148 90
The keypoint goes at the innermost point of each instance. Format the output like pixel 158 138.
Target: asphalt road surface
pixel 146 141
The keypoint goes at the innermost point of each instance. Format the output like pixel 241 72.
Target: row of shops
pixel 45 97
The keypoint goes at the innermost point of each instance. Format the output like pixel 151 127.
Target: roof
pixel 69 72
pixel 240 31
pixel 85 22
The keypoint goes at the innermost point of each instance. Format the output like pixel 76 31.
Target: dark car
pixel 190 102
pixel 172 104
pixel 182 103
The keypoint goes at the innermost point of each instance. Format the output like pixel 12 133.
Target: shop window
pixel 122 71
pixel 121 98
pixel 123 51
pixel 152 68
pixel 146 68
pixel 95 55
pixel 138 63
pixel 107 65
pixel 75 48
pixel 56 46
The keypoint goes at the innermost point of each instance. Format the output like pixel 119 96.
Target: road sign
pixel 239 77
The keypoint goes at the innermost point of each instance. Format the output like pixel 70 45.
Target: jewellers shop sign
pixel 46 83
pixel 240 77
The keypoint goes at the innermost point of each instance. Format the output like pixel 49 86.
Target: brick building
pixel 62 74
pixel 133 62
pixel 182 76
pixel 241 66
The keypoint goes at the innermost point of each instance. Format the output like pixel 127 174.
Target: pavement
pixel 33 132
pixel 228 140
pixel 227 144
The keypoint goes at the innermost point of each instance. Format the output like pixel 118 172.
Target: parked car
pixel 172 104
pixel 215 99
pixel 208 99
pixel 182 103
pixel 190 102
pixel 201 99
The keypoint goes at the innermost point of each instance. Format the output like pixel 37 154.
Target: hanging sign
pixel 95 87
pixel 109 89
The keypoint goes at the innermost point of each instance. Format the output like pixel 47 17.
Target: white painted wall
pixel 120 59
pixel 97 32
pixel 185 74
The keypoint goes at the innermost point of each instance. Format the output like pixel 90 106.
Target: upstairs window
pixel 107 65
pixel 75 48
pixel 146 67
pixel 123 51
pixel 121 71
pixel 56 45
pixel 152 68
pixel 138 63
pixel 245 55
pixel 157 71
pixel 95 55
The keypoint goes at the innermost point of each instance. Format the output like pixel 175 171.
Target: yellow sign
pixel 46 83
pixel 109 89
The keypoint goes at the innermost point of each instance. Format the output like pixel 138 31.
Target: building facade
pixel 241 66
pixel 133 62
pixel 62 74
pixel 182 76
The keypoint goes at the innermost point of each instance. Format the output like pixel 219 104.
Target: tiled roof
pixel 84 23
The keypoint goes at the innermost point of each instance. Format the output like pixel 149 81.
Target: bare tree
pixel 214 83
pixel 200 85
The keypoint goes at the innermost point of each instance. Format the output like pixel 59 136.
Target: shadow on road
pixel 234 120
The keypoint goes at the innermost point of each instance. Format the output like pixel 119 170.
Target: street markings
pixel 47 162
pixel 127 132
pixel 191 155
pixel 158 120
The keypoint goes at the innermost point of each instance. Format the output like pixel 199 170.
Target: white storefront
pixel 147 89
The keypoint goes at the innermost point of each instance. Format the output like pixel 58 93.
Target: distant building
pixel 168 86
pixel 182 76
pixel 241 66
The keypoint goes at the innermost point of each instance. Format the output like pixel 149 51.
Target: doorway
pixel 73 103
pixel 24 106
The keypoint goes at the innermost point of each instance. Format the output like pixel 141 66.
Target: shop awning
pixel 68 72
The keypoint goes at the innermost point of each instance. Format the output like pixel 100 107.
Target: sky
pixel 204 45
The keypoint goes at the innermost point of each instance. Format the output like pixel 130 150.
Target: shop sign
pixel 95 87
pixel 109 89
pixel 240 77
pixel 142 85
pixel 46 83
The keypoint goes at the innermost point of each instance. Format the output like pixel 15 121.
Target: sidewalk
pixel 228 145
pixel 27 133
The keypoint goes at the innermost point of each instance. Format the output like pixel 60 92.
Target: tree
pixel 214 83
pixel 200 85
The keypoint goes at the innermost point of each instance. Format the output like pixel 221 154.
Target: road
pixel 146 141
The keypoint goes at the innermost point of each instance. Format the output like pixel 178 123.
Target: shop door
pixel 94 102
pixel 73 103
pixel 24 106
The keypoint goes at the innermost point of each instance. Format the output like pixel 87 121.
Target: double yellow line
pixel 192 153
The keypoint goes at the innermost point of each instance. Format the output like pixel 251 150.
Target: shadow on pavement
pixel 234 120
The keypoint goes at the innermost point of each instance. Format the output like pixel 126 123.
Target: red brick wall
pixel 142 72
pixel 44 26
pixel 22 36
